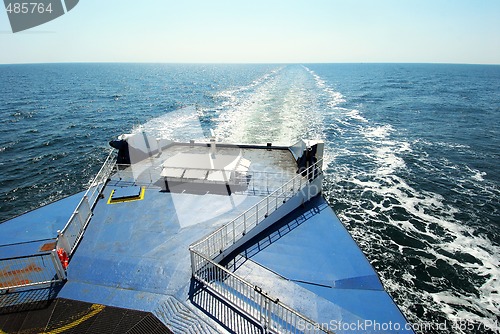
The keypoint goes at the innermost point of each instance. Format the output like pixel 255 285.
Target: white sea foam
pixel 456 239
pixel 377 131
pixel 385 151
pixel 476 175
pixel 385 158
pixel 354 114
pixel 335 97
pixel 273 110
pixel 181 125
pixel 487 299
pixel 479 176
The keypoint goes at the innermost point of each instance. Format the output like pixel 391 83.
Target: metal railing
pixel 273 315
pixel 217 241
pixel 46 268
pixel 69 237
pixel 252 181
pixel 139 175
pixel 99 181
pixel 31 271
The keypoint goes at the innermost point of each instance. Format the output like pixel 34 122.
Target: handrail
pixel 99 181
pixel 272 314
pixel 235 174
pixel 46 268
pixel 69 237
pixel 282 192
pixel 41 269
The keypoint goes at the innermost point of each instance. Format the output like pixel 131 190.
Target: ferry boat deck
pixel 201 238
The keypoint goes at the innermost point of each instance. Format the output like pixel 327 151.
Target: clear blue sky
pixel 297 31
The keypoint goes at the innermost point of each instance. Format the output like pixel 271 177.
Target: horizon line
pixel 248 63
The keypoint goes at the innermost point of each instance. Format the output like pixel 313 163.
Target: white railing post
pixel 245 222
pixel 234 232
pixel 268 314
pixel 267 183
pixel 267 206
pixel 193 265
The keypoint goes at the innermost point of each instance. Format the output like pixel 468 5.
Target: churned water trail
pixel 418 206
pixel 281 107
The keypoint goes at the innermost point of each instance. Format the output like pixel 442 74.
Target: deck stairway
pixel 180 319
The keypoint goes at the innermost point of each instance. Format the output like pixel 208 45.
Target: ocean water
pixel 412 155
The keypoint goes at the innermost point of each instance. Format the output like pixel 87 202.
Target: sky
pixel 262 31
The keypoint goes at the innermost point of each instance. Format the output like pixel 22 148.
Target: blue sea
pixel 412 151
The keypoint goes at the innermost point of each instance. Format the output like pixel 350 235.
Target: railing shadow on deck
pixel 29 299
pixel 220 311
pixel 273 233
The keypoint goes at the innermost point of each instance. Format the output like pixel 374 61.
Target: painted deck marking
pixel 96 309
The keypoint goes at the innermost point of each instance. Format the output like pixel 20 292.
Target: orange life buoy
pixel 63 257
